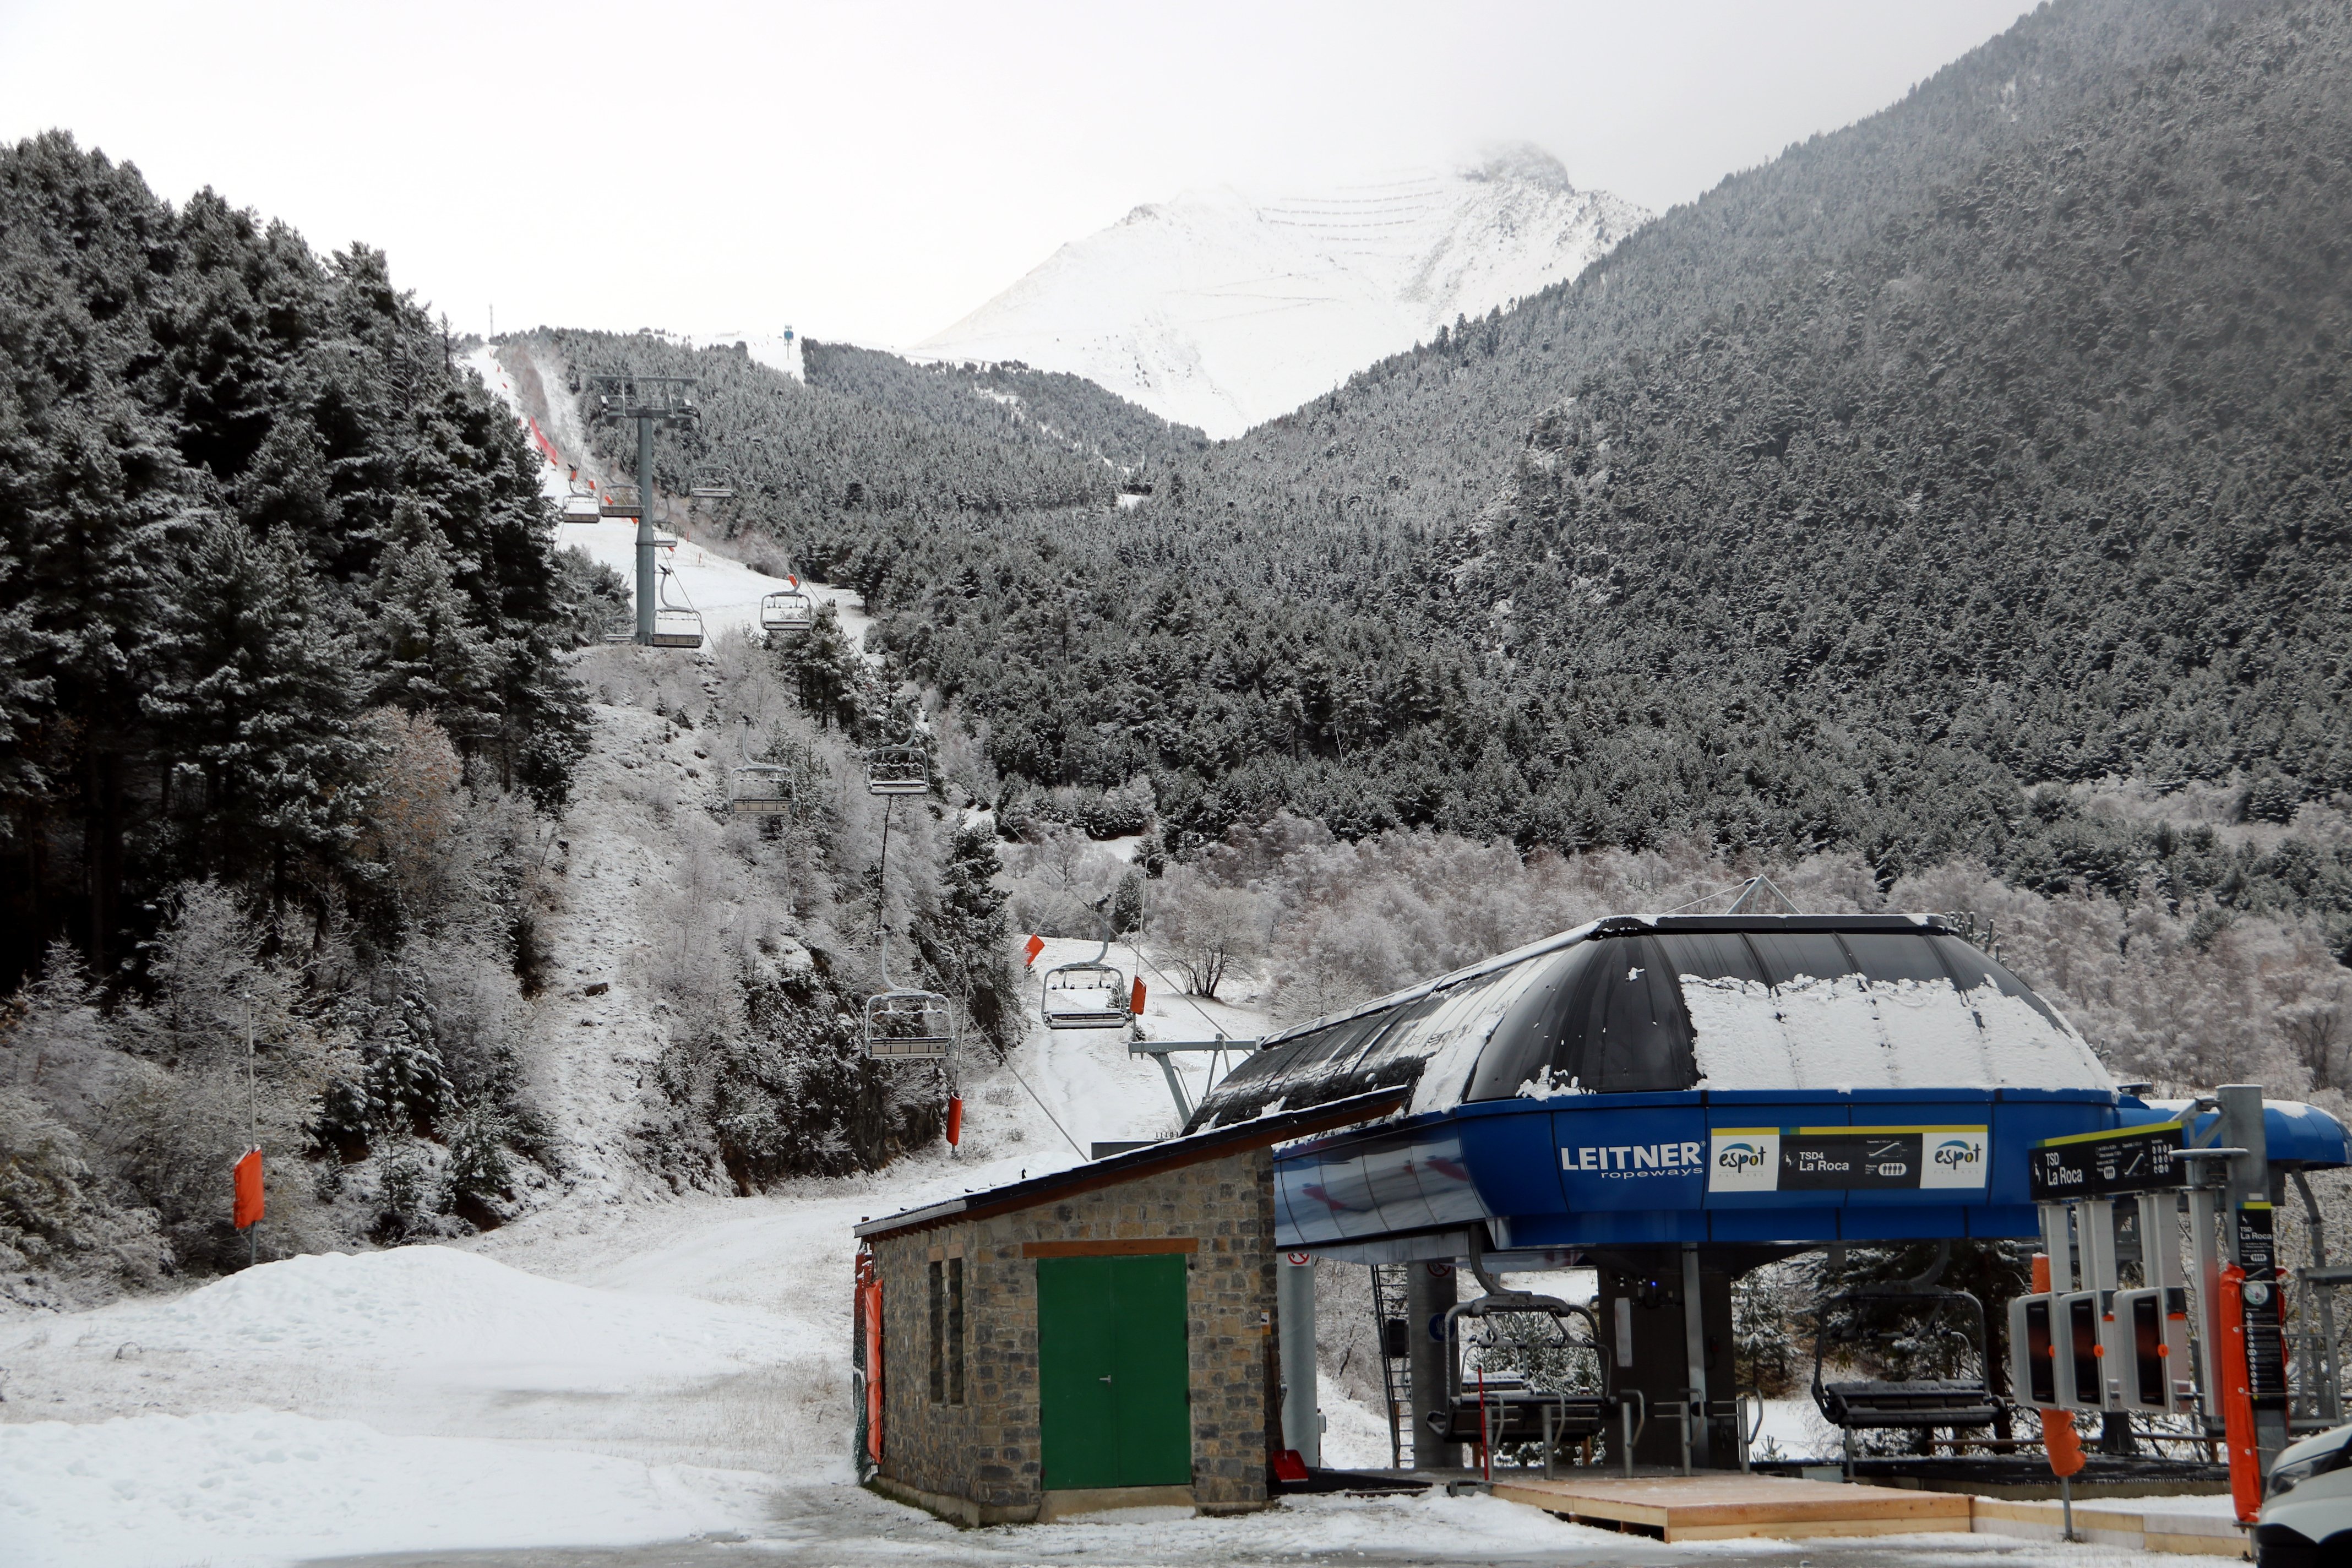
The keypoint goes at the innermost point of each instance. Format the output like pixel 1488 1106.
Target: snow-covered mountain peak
pixel 1522 161
pixel 1224 308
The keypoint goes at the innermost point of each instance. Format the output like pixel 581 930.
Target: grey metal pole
pixel 647 592
pixel 1694 1352
pixel 1294 1305
pixel 1427 1295
pixel 2242 1126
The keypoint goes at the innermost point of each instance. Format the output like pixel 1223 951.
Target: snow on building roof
pixel 1647 1004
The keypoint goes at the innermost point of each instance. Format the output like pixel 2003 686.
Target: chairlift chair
pixel 581 505
pixel 787 610
pixel 897 769
pixel 675 625
pixel 620 500
pixel 1087 995
pixel 907 1025
pixel 760 789
pixel 1508 1410
pixel 709 484
pixel 1863 1405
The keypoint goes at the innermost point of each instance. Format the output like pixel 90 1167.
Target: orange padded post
pixel 2059 1438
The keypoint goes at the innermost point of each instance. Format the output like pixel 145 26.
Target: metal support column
pixel 2206 1251
pixel 1293 1308
pixel 2247 1218
pixel 1430 1289
pixel 648 593
pixel 1694 1356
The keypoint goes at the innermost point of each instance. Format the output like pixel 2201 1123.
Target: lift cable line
pixel 652 402
pixel 903 1023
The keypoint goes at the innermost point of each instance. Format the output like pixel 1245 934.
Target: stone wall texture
pixel 985 1451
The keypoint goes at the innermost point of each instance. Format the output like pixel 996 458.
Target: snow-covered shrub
pixel 1206 930
pixel 1062 884
pixel 1766 1353
pixel 55 1217
pixel 412 810
pixel 231 1060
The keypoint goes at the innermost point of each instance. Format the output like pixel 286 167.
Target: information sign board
pixel 1846 1159
pixel 2104 1164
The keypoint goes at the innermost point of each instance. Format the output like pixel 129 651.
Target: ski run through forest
pixel 1948 515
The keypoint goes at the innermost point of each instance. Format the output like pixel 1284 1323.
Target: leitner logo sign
pixel 1852 1159
pixel 1630 1161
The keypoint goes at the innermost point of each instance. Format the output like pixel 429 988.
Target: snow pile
pixel 259 1486
pixel 459 1318
pixel 1849 1032
pixel 1222 311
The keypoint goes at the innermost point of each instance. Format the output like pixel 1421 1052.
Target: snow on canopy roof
pixel 1646 1002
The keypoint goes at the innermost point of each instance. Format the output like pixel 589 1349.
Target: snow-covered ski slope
pixel 724 590
pixel 1222 310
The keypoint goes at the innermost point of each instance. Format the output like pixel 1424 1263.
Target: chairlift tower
pixel 652 401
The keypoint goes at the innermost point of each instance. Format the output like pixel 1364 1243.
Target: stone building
pixel 1100 1337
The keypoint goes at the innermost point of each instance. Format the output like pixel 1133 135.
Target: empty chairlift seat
pixel 620 500
pixel 581 505
pixel 760 789
pixel 1505 1410
pixel 787 610
pixel 1938 1323
pixel 906 1024
pixel 897 769
pixel 675 625
pixel 677 628
pixel 1087 995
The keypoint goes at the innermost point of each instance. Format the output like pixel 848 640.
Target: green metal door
pixel 1113 1379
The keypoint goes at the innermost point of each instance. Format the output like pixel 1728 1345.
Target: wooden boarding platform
pixel 1729 1505
pixel 2162 1525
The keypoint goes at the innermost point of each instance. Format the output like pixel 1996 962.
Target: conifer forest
pixel 1949 513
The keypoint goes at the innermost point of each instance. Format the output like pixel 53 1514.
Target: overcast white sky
pixel 872 171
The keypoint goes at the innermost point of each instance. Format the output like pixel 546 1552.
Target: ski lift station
pixel 1668 1102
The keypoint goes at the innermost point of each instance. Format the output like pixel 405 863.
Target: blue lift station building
pixel 1673 1100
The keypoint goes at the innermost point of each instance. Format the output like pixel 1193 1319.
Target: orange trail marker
pixel 245 1211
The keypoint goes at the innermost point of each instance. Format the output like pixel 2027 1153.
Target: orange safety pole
pixel 2059 1438
pixel 869 1325
pixel 2237 1394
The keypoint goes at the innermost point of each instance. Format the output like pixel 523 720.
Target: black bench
pixel 1936 1402
pixel 1516 1415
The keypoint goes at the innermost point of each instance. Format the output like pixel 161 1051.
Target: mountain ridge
pixel 1222 310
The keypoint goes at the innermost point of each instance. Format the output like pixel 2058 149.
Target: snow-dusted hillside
pixel 1223 310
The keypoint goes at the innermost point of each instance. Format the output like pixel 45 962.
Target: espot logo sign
pixel 1955 1158
pixel 1743 1160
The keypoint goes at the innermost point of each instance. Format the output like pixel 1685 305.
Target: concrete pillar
pixel 1430 1289
pixel 1294 1304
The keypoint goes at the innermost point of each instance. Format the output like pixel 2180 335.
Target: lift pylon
pixel 652 401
